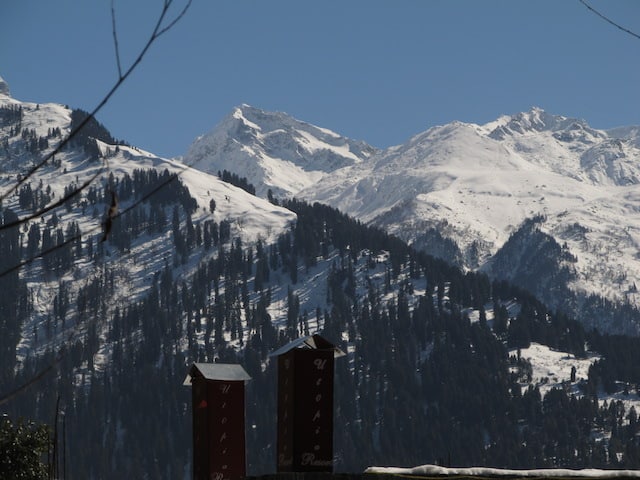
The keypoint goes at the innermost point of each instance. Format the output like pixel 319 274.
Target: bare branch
pixel 608 20
pixel 115 38
pixel 176 19
pixel 157 31
pixel 33 380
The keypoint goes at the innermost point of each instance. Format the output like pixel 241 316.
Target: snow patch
pixel 4 88
pixel 436 470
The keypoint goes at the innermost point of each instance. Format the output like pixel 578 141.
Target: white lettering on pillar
pixel 320 363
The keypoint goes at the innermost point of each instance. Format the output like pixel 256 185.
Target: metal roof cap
pixel 229 372
pixel 313 342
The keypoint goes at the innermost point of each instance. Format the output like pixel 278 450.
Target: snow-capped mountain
pixel 470 185
pixel 30 132
pixel 274 151
pixel 247 212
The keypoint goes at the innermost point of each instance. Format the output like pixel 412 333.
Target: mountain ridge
pixel 282 154
pixel 483 182
pixel 27 130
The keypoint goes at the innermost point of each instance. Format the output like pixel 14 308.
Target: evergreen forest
pixel 422 382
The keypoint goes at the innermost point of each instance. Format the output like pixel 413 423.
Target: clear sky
pixel 373 70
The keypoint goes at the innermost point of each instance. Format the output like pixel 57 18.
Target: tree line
pixel 423 383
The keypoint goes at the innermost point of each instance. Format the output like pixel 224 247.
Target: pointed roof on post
pixel 313 342
pixel 217 371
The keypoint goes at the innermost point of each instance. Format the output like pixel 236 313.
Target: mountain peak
pixel 274 150
pixel 4 88
pixel 534 121
pixel 538 119
pixel 248 115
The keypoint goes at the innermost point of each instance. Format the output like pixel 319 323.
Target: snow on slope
pixel 250 213
pixel 629 134
pixel 39 117
pixel 551 368
pixel 273 151
pixel 249 216
pixel 460 173
pixel 477 183
pixel 4 87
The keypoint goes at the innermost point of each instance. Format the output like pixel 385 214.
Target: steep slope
pixel 485 179
pixel 150 192
pixel 478 184
pixel 461 190
pixel 274 151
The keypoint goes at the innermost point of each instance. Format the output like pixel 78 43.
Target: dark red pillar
pixel 305 405
pixel 218 421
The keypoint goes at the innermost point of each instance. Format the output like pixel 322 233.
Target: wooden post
pixel 305 405
pixel 218 421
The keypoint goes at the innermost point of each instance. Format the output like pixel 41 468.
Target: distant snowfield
pixel 552 368
pixel 436 470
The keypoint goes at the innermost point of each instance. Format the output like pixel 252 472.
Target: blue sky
pixel 379 71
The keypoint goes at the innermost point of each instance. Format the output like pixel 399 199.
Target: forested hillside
pixel 421 383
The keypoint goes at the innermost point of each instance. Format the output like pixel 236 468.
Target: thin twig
pixel 36 378
pixel 608 20
pixel 157 31
pixel 115 38
pixel 175 20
